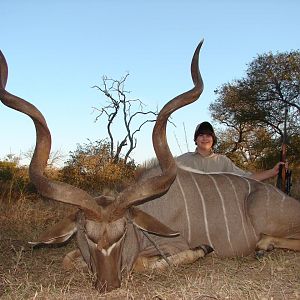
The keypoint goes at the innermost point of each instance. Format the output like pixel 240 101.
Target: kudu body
pixel 230 213
pixel 163 214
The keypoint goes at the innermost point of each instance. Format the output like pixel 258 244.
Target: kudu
pixel 197 212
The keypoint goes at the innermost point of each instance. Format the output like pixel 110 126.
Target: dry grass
pixel 37 274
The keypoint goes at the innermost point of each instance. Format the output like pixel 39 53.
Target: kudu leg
pixel 188 256
pixel 268 243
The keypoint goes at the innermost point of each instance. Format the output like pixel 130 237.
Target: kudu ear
pixel 59 233
pixel 150 224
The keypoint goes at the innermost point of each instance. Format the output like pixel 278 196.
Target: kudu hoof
pixel 206 248
pixel 260 254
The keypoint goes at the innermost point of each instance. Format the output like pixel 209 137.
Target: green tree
pixel 252 110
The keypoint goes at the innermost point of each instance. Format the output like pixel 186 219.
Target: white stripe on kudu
pixel 249 193
pixel 224 211
pixel 204 211
pixel 241 211
pixel 186 209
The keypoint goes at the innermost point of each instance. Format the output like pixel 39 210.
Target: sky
pixel 57 50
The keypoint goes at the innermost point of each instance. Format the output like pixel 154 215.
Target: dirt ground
pixel 27 273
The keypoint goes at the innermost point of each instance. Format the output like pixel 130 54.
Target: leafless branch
pixel 119 104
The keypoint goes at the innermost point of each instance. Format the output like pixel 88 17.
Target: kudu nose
pixel 104 287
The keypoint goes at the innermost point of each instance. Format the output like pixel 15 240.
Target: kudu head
pixel 101 223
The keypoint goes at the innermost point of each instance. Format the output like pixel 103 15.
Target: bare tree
pixel 120 106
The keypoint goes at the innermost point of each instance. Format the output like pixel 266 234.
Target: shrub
pixel 14 181
pixel 91 168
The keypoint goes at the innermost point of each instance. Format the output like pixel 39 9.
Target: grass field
pixel 27 273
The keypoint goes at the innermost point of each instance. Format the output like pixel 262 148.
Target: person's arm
pixel 266 174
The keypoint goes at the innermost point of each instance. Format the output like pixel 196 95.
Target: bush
pixel 91 168
pixel 14 181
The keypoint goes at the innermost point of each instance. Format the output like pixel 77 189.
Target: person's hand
pixel 277 167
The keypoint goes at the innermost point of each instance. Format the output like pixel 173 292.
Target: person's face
pixel 204 142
